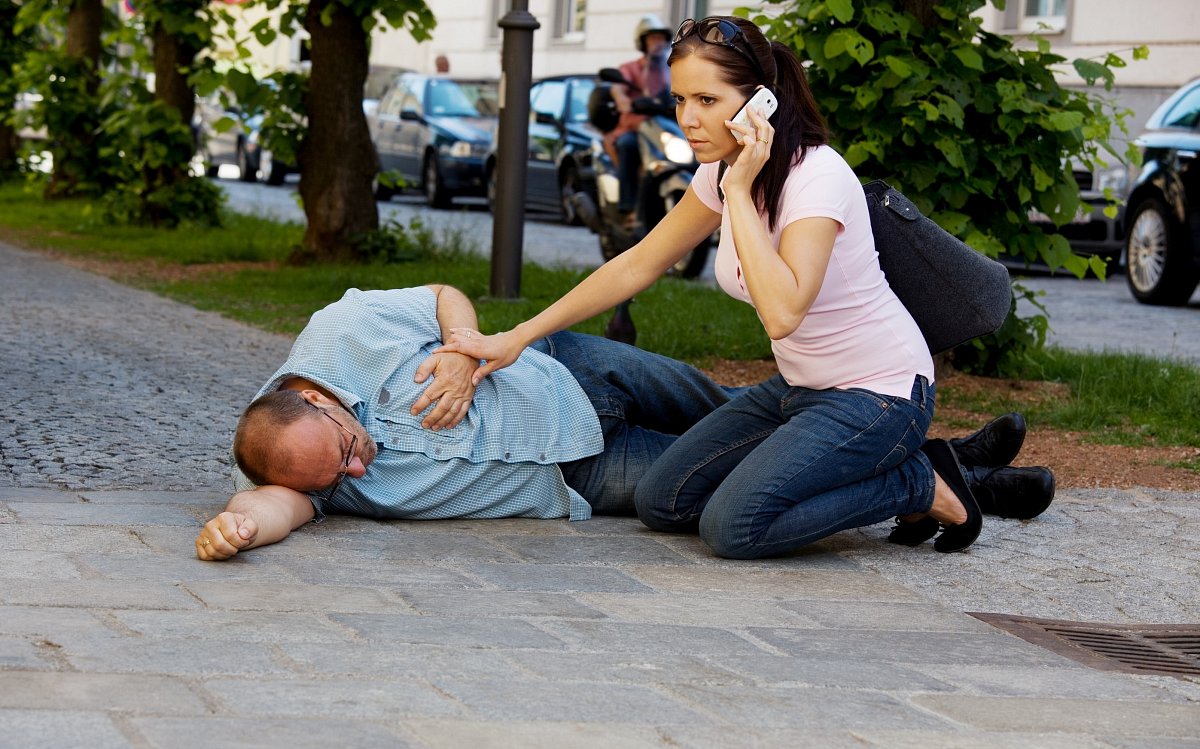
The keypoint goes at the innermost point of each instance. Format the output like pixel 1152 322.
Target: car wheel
pixel 692 264
pixel 382 192
pixel 276 172
pixel 247 170
pixel 568 185
pixel 435 192
pixel 1159 267
pixel 492 187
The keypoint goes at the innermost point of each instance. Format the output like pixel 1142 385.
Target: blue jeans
pixel 629 166
pixel 779 467
pixel 644 401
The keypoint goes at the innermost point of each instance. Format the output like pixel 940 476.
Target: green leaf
pixel 950 109
pixel 968 57
pixel 856 154
pixel 843 10
pixel 951 221
pixel 1092 71
pixel 898 66
pixel 1064 121
pixel 850 42
pixel 1141 52
pixel 1076 265
pixel 951 149
pixel 931 111
pixel 1114 61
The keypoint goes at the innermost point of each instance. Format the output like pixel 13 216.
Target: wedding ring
pixel 204 542
pixel 764 140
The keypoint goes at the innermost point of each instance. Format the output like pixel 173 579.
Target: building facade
pixel 582 36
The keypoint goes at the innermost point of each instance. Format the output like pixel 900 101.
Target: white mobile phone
pixel 763 101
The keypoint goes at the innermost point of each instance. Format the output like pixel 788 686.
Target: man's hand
pixel 225 535
pixel 452 389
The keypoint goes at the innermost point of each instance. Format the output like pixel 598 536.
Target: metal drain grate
pixel 1165 649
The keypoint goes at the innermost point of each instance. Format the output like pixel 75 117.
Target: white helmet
pixel 650 24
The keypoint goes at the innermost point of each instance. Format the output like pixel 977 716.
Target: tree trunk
pixel 337 158
pixel 8 149
pixel 171 87
pixel 173 57
pixel 83 34
pixel 11 49
pixel 74 149
pixel 923 10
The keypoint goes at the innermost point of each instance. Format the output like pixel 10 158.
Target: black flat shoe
pixel 914 533
pixel 996 444
pixel 946 465
pixel 1010 492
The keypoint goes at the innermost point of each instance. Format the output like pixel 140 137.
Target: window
pixel 581 92
pixel 500 9
pixel 1186 113
pixel 549 100
pixel 569 19
pixel 1037 14
pixel 679 10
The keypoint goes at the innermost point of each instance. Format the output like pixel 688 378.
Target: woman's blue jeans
pixel 779 467
pixel 644 402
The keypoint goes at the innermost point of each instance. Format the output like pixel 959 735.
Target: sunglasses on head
pixel 723 33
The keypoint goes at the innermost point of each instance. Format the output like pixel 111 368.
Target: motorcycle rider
pixel 649 75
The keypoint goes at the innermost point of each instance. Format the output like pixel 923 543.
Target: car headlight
pixel 1115 178
pixel 677 149
pixel 462 149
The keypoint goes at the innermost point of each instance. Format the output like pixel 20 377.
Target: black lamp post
pixel 512 149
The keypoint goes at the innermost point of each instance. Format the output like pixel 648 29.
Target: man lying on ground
pixel 348 425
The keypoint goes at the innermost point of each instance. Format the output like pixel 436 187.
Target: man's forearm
pixel 454 310
pixel 277 511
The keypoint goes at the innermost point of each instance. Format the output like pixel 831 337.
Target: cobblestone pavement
pixel 503 633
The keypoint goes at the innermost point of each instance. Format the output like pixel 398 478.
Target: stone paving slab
pixel 508 633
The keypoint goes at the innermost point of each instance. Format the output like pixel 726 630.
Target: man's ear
pixel 316 397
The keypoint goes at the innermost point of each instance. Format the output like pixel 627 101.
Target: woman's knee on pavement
pixel 656 507
pixel 725 541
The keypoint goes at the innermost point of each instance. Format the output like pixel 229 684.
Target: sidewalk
pixel 502 633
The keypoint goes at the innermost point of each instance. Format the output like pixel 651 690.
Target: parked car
pixel 1162 246
pixel 561 142
pixel 238 144
pixel 435 132
pixel 379 77
pixel 1091 232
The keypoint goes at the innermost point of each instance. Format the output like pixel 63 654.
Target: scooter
pixel 667 167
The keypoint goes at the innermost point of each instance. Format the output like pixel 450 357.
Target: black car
pixel 1162 242
pixel 435 132
pixel 561 143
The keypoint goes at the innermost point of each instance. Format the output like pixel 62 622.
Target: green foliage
pixel 975 130
pixel 396 243
pixel 111 138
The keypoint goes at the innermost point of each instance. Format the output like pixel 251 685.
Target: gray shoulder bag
pixel 953 292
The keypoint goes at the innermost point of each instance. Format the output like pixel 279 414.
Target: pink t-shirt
pixel 857 334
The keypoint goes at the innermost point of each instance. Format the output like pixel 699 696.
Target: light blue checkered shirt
pixel 501 461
